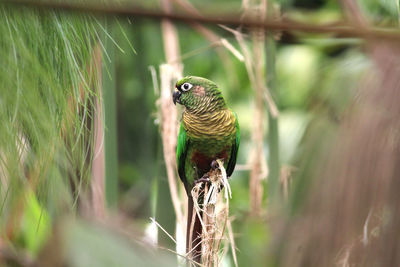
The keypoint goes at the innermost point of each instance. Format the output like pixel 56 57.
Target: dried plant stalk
pixel 97 183
pixel 169 131
pixel 169 73
pixel 351 30
pixel 214 208
pixel 208 256
pixel 257 64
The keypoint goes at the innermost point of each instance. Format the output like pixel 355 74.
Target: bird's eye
pixel 186 86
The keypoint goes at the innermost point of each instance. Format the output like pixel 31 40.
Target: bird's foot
pixel 204 179
pixel 214 165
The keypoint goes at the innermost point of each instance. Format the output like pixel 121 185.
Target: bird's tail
pixel 193 236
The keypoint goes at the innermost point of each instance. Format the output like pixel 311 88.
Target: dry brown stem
pixel 97 182
pixel 208 257
pixel 168 133
pixel 232 241
pixel 256 69
pixel 169 73
pixel 214 209
pixel 135 12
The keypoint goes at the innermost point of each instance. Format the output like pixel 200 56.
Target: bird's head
pixel 198 94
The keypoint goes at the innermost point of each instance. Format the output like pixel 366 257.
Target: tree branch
pixel 351 30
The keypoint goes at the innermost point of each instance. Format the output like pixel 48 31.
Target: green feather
pixel 235 150
pixel 181 153
pixel 209 130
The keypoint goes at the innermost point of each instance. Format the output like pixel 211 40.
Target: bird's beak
pixel 176 97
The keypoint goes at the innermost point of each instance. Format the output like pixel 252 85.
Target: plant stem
pixel 273 130
pixel 110 123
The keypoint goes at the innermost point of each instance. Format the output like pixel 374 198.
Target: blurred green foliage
pixel 44 61
pixel 35 224
pixel 87 244
pixel 45 81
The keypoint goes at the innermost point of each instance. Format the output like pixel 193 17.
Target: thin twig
pixel 232 241
pixel 214 39
pixel 180 255
pixel 165 231
pixel 154 79
pixel 365 229
pixel 273 109
pixel 232 49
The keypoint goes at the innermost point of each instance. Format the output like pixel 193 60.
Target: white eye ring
pixel 186 86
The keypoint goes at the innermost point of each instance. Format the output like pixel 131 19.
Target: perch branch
pixel 132 11
pixel 214 210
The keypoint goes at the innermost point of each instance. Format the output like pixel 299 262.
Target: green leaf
pixel 36 224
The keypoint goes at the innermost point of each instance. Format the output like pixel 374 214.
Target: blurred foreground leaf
pixel 35 224
pixel 87 244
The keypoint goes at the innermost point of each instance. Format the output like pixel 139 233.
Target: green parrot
pixel 209 131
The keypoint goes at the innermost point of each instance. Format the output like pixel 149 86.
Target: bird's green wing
pixel 181 153
pixel 235 150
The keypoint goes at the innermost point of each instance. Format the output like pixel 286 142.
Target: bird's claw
pixel 204 179
pixel 214 165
